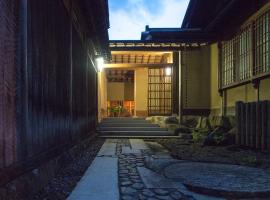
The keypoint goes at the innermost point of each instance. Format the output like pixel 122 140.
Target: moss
pixel 251 160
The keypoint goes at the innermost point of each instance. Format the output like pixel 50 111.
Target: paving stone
pixel 123 171
pixel 136 180
pixel 164 197
pixel 161 192
pixel 152 198
pixel 126 183
pixel 128 190
pixel 127 197
pixel 138 186
pixel 148 193
pixel 140 164
pixel 122 175
pixel 176 195
pixel 142 197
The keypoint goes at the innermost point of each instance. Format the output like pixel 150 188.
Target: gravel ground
pixel 62 185
pixel 181 149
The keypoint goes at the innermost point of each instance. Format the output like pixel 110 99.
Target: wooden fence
pixel 48 83
pixel 253 125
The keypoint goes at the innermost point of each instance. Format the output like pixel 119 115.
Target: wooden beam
pixel 129 65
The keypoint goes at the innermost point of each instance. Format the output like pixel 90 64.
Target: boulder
pixel 171 120
pixel 182 129
pixel 220 137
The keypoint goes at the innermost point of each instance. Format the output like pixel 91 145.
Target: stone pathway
pixel 131 169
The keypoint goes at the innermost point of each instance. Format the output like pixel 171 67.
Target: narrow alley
pixel 134 100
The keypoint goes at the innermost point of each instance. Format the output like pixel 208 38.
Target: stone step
pixel 127 125
pixel 136 133
pixel 131 129
pixel 126 122
pixel 123 119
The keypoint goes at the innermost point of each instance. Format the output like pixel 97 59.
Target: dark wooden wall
pixel 50 101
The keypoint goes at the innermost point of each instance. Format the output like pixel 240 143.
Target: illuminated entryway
pixel 120 92
pixel 138 83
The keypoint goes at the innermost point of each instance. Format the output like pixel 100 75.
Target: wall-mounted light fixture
pixel 100 63
pixel 168 71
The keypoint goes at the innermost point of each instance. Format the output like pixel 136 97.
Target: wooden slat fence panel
pixel 48 97
pixel 253 125
pixel 8 60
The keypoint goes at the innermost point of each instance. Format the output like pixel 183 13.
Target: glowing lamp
pixel 168 71
pixel 100 63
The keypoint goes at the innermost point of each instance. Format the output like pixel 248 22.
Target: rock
pixel 220 137
pixel 191 123
pixel 128 190
pixel 127 197
pixel 148 193
pixel 123 171
pixel 164 197
pixel 138 186
pixel 161 192
pixel 186 136
pixel 229 137
pixel 176 195
pixel 142 197
pixel 171 120
pixel 182 129
pixel 126 183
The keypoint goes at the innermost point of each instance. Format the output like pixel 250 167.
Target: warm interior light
pixel 168 71
pixel 100 63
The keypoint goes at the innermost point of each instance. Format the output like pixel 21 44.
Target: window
pixel 262 36
pixel 239 53
pixel 245 54
pixel 237 57
pixel 228 62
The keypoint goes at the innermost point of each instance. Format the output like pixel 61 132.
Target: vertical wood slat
pixel 264 126
pixel 8 62
pixel 253 125
pixel 268 126
pixel 239 124
pixel 243 119
pixel 248 122
pixel 258 124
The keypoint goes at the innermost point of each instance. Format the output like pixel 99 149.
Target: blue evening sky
pixel 129 17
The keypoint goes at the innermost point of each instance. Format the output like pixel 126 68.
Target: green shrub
pixel 199 136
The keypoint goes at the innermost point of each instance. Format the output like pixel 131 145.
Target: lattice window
pixel 262 44
pixel 237 57
pixel 228 62
pixel 245 53
pixel 159 91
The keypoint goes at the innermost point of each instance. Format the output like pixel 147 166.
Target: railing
pixel 253 125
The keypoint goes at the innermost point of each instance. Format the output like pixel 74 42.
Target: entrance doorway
pixel 120 92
